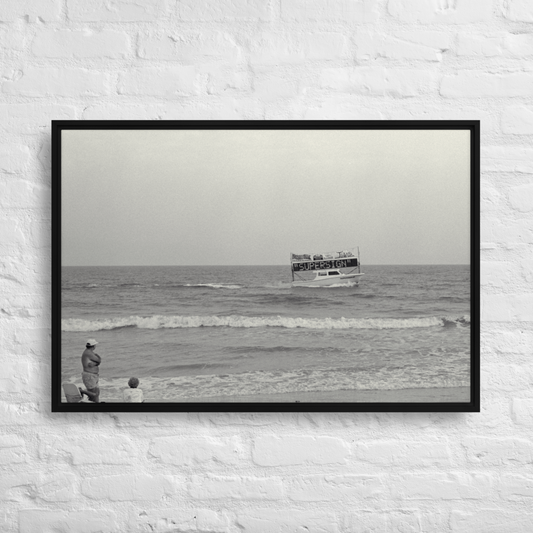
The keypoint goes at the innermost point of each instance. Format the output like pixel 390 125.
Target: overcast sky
pixel 246 197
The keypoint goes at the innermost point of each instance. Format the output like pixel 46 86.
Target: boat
pixel 328 269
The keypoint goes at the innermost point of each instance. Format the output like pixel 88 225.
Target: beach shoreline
pixel 430 395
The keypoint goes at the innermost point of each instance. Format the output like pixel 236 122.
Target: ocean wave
pixel 288 299
pixel 236 321
pixel 212 285
pixel 155 285
pixel 311 285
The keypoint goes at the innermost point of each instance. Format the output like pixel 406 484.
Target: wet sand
pixel 456 394
pixel 440 395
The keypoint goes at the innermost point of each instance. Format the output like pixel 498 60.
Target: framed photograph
pixel 265 266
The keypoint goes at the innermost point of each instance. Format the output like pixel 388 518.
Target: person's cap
pixel 91 342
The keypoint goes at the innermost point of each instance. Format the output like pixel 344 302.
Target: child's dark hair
pixel 133 383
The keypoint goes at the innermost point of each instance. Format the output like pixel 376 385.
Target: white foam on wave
pixel 213 285
pixel 236 321
pixel 312 285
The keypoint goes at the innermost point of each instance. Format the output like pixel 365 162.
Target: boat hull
pixel 343 279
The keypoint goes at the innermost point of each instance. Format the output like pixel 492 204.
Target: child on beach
pixel 133 394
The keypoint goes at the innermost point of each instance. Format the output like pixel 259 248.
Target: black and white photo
pixel 265 266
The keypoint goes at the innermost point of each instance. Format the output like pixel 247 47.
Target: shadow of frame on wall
pixel 265 266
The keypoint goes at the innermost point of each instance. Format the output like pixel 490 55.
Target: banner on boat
pixel 321 257
pixel 326 264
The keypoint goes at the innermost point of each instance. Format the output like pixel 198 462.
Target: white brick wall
pixel 255 59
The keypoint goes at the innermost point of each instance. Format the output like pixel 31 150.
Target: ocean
pixel 230 332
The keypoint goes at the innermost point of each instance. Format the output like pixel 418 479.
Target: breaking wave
pixel 236 321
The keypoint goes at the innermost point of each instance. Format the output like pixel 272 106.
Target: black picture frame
pixel 59 129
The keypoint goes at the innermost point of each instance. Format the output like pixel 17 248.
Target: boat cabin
pixel 324 273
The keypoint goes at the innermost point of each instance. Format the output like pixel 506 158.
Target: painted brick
pixel 187 47
pixel 341 107
pixel 56 487
pixel 456 486
pixel 42 521
pixel 187 451
pixel 21 414
pixel 19 193
pixel 81 44
pixel 522 411
pixel 477 84
pixel 46 10
pixel 406 520
pixel 517 120
pixel 15 374
pixel 29 118
pixel 491 199
pixel 379 81
pixel 18 487
pixel 168 520
pixel 518 10
pixel 242 420
pixel 39 82
pixel 444 111
pixel 519 44
pixel 509 232
pixel 499 274
pixel 457 12
pixel 349 488
pixel 270 49
pixel 281 451
pixel 269 87
pixel 240 488
pixel 343 11
pixel 503 376
pixel 521 198
pixel 493 520
pixel 116 10
pixel 129 487
pixel 118 111
pixel 220 79
pixel 507 159
pixel 365 520
pixel 12 40
pixel 516 487
pixel 228 107
pixel 167 82
pixel 325 46
pixel 33 341
pixel 12 450
pixel 130 421
pixel 406 452
pixel 415 44
pixel 477 45
pixel 516 341
pixel 498 451
pixel 287 521
pixel 507 307
pixel 90 449
pixel 14 158
pixel 290 48
pixel 224 10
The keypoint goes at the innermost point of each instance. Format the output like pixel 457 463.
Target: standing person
pixel 133 394
pixel 90 362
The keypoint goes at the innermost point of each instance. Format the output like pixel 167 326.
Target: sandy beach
pixel 456 394
pixel 451 394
